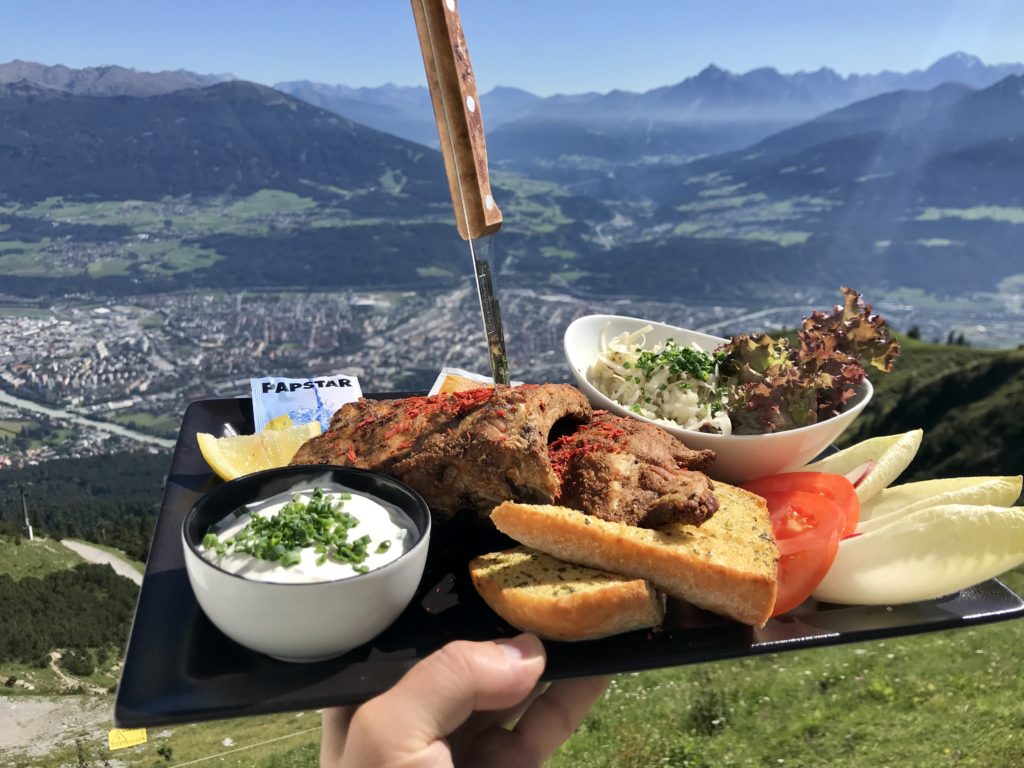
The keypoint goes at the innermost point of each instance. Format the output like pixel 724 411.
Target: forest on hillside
pixel 967 402
pixel 86 611
pixel 111 500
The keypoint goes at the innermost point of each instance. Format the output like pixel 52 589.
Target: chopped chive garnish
pixel 320 524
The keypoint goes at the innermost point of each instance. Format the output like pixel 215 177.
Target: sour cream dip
pixel 387 526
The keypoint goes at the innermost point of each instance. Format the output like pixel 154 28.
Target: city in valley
pixel 80 379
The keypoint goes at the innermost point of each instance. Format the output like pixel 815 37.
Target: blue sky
pixel 545 46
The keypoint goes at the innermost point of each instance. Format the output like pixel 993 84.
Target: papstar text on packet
pixel 299 401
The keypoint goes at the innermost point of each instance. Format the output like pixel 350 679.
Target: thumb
pixel 437 695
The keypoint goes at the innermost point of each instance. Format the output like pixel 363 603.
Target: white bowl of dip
pixel 308 611
pixel 739 457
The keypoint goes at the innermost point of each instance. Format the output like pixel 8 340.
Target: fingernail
pixel 522 647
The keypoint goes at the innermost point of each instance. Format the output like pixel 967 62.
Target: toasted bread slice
pixel 537 593
pixel 727 565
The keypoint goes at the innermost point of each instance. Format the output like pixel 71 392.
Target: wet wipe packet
pixel 282 402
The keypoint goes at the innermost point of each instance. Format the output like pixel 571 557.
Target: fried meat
pixel 628 471
pixel 460 451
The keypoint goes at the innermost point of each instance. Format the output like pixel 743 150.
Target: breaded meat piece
pixel 628 471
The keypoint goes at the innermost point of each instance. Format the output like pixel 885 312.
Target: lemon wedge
pixel 232 457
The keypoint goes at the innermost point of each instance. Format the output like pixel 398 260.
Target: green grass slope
pixel 34 558
pixel 942 699
pixel 968 401
pixel 271 741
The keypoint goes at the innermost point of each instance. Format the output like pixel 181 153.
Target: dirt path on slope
pixel 96 555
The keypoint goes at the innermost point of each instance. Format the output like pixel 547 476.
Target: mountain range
pixel 713 111
pixel 908 188
pixel 231 138
pixel 917 188
pixel 930 146
pixel 105 81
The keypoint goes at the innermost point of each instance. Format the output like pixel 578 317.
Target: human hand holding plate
pixel 453 707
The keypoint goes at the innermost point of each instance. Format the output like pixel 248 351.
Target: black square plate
pixel 180 668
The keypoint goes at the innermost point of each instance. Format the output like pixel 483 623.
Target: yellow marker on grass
pixel 119 738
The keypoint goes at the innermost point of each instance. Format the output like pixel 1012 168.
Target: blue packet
pixel 299 401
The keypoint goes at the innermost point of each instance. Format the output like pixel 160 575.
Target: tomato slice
pixel 807 528
pixel 836 488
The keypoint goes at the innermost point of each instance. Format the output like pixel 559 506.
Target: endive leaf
pixel 926 554
pixel 899 500
pixel 891 454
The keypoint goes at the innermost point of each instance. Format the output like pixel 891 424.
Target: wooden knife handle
pixel 457 112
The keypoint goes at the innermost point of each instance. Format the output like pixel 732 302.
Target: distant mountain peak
pixel 712 72
pixel 402 89
pixel 960 59
pixel 507 90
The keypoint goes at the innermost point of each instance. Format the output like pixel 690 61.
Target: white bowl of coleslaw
pixel 596 348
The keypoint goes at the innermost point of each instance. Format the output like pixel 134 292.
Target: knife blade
pixel 460 128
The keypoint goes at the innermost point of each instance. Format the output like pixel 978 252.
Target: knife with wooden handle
pixel 457 112
pixel 461 132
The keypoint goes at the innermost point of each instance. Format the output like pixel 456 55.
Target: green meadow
pixel 943 699
pixel 947 698
pixel 35 558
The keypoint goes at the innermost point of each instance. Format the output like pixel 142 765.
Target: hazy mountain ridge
pixel 904 189
pixel 401 111
pixel 109 80
pixel 714 111
pixel 876 140
pixel 761 95
pixel 764 93
pixel 404 111
pixel 710 112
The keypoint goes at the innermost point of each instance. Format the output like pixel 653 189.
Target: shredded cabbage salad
pixel 676 385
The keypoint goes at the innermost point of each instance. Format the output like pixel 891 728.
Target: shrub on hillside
pixel 78 663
